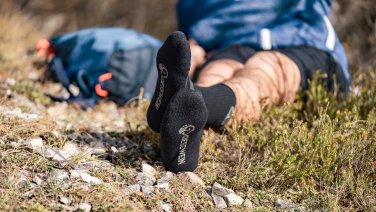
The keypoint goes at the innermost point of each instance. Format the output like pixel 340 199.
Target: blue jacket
pixel 261 24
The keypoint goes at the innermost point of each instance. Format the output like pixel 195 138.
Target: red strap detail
pixel 104 77
pixel 100 92
pixel 43 44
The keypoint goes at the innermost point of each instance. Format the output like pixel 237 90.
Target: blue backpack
pixel 109 62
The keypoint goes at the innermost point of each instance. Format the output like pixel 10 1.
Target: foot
pixel 182 130
pixel 173 63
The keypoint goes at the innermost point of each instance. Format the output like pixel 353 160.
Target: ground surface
pixel 318 153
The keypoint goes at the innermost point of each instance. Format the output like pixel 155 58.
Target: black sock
pixel 174 62
pixel 220 101
pixel 181 131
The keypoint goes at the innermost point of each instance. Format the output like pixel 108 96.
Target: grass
pixel 319 152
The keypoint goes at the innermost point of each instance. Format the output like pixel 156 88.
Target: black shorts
pixel 308 59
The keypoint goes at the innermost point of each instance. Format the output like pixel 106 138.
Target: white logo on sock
pixel 185 130
pixel 164 74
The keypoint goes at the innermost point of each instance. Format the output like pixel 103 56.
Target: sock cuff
pixel 220 101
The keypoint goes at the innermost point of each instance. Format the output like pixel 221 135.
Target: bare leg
pixel 267 74
pixel 218 71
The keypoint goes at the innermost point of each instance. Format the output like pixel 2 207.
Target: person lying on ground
pixel 259 51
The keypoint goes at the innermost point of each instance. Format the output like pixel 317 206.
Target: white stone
pixel 281 204
pixel 87 152
pixel 146 168
pixel 84 207
pixel 147 189
pixel 28 194
pixel 99 151
pixel 10 81
pixel 34 144
pixel 163 185
pixel 89 179
pixel 193 178
pixel 167 176
pixel 69 127
pixel 61 176
pixel 37 180
pixel 47 152
pixel 219 202
pixel 65 200
pixel 233 199
pixel 145 179
pixel 220 190
pixel 248 203
pixel 68 152
pixel 74 174
pixel 135 188
pixel 57 133
pixel 165 206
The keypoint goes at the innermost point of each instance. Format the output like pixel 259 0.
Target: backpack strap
pixel 84 101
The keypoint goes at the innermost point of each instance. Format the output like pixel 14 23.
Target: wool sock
pixel 220 101
pixel 182 130
pixel 173 63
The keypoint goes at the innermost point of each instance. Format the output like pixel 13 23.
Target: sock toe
pixel 181 131
pixel 173 63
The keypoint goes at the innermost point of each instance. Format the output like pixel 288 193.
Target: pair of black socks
pixel 179 109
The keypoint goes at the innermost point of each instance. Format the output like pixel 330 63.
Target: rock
pixel 65 200
pixel 145 179
pixel 75 174
pixel 281 204
pixel 29 117
pixel 75 136
pixel 47 152
pixel 98 151
pixel 69 127
pixel 248 203
pixel 147 147
pixel 90 165
pixel 164 185
pixel 33 185
pixel 28 194
pixel 134 188
pixel 208 190
pixel 35 144
pixel 21 100
pixel 61 176
pixel 110 141
pixel 165 206
pixel 220 190
pixel 37 180
pixel 20 178
pixel 98 145
pixel 89 179
pixel 193 178
pixel 15 144
pixel 57 133
pixel 117 176
pixel 87 152
pixel 114 154
pixel 147 189
pixel 219 202
pixel 68 152
pixel 233 199
pixel 167 176
pixel 10 81
pixel 84 186
pixel 146 168
pixel 84 207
